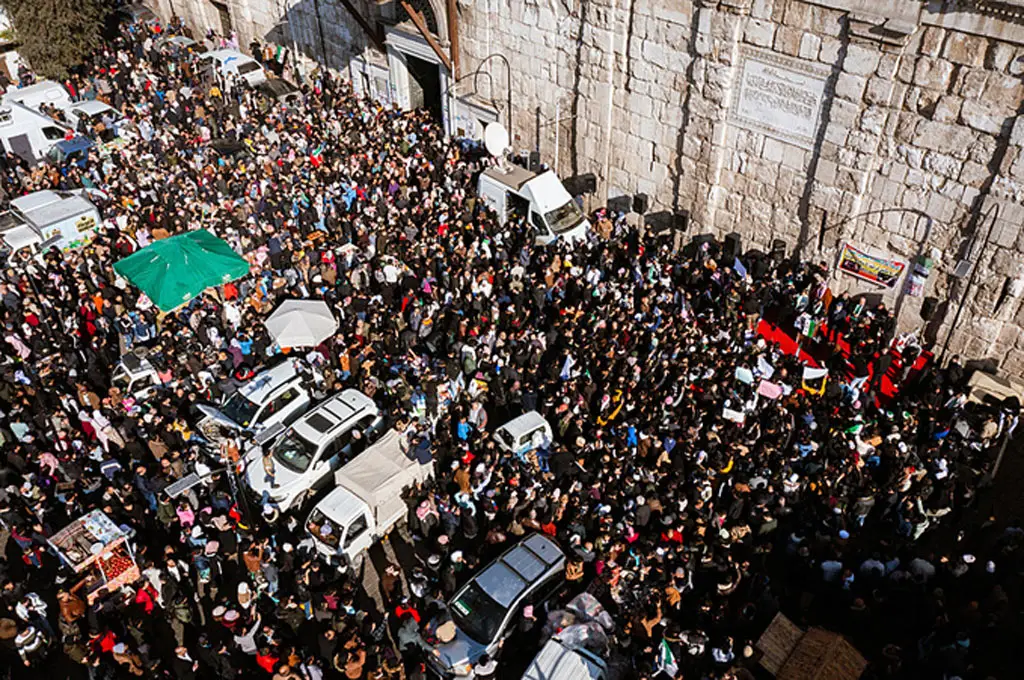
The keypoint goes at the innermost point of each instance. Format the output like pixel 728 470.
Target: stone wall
pixel 891 126
pixel 291 23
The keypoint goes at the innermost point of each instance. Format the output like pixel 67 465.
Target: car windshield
pixel 240 409
pixel 248 67
pixel 477 614
pixel 505 438
pixel 565 218
pixel 294 452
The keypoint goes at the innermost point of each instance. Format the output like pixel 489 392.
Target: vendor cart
pixel 96 547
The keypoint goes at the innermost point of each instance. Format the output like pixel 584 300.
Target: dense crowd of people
pixel 699 479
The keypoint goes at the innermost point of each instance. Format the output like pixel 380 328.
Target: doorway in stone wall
pixel 224 14
pixel 424 85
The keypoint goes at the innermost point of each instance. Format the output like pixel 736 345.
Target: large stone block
pixel 829 50
pixel 970 83
pixel 759 32
pixel 999 56
pixel 787 40
pixel 850 87
pixel 1003 91
pixel 947 108
pixel 973 174
pixel 825 21
pixel 810 45
pixel 877 91
pixel 873 120
pixel 979 116
pixel 932 73
pixel 966 49
pixel 798 14
pixel 861 60
pixel 931 41
pixel 951 139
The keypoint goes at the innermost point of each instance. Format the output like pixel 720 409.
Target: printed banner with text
pixel 870 268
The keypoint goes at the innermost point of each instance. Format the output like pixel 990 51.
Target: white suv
pixel 306 455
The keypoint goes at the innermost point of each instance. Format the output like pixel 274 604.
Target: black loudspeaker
pixel 691 249
pixel 534 161
pixel 732 248
pixel 757 264
pixel 928 307
pixel 640 203
pixel 681 221
pixel 619 204
pixel 778 250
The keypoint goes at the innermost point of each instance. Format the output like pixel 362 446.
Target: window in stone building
pixel 424 8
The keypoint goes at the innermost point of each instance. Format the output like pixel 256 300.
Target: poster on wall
pixel 878 270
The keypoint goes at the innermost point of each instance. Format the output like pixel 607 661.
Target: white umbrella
pixel 301 323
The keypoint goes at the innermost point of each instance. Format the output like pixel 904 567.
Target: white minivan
pixel 264 406
pixel 541 198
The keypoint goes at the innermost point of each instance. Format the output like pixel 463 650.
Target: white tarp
pixel 380 473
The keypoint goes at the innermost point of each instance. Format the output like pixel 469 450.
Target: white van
pixel 541 199
pixel 44 92
pixel 27 133
pixel 42 219
pixel 267 404
pixel 524 434
pixel 557 661
pixel 228 63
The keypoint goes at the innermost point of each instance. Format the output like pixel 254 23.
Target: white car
pixel 83 117
pixel 227 63
pixel 306 455
pixel 267 404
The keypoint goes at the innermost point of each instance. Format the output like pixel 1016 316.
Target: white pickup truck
pixel 367 502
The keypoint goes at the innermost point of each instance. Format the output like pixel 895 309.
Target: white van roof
pixel 44 91
pixel 523 424
pixel 48 207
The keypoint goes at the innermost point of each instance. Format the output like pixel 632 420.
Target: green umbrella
pixel 174 270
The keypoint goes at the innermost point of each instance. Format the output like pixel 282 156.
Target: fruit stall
pixel 96 547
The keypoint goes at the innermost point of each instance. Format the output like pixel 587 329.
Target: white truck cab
pixel 526 433
pixel 540 198
pixel 135 376
pixel 264 406
pixel 367 503
pixel 307 453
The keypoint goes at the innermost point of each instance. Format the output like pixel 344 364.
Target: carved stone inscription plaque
pixel 779 96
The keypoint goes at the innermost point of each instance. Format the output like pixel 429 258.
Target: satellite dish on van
pixel 496 140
